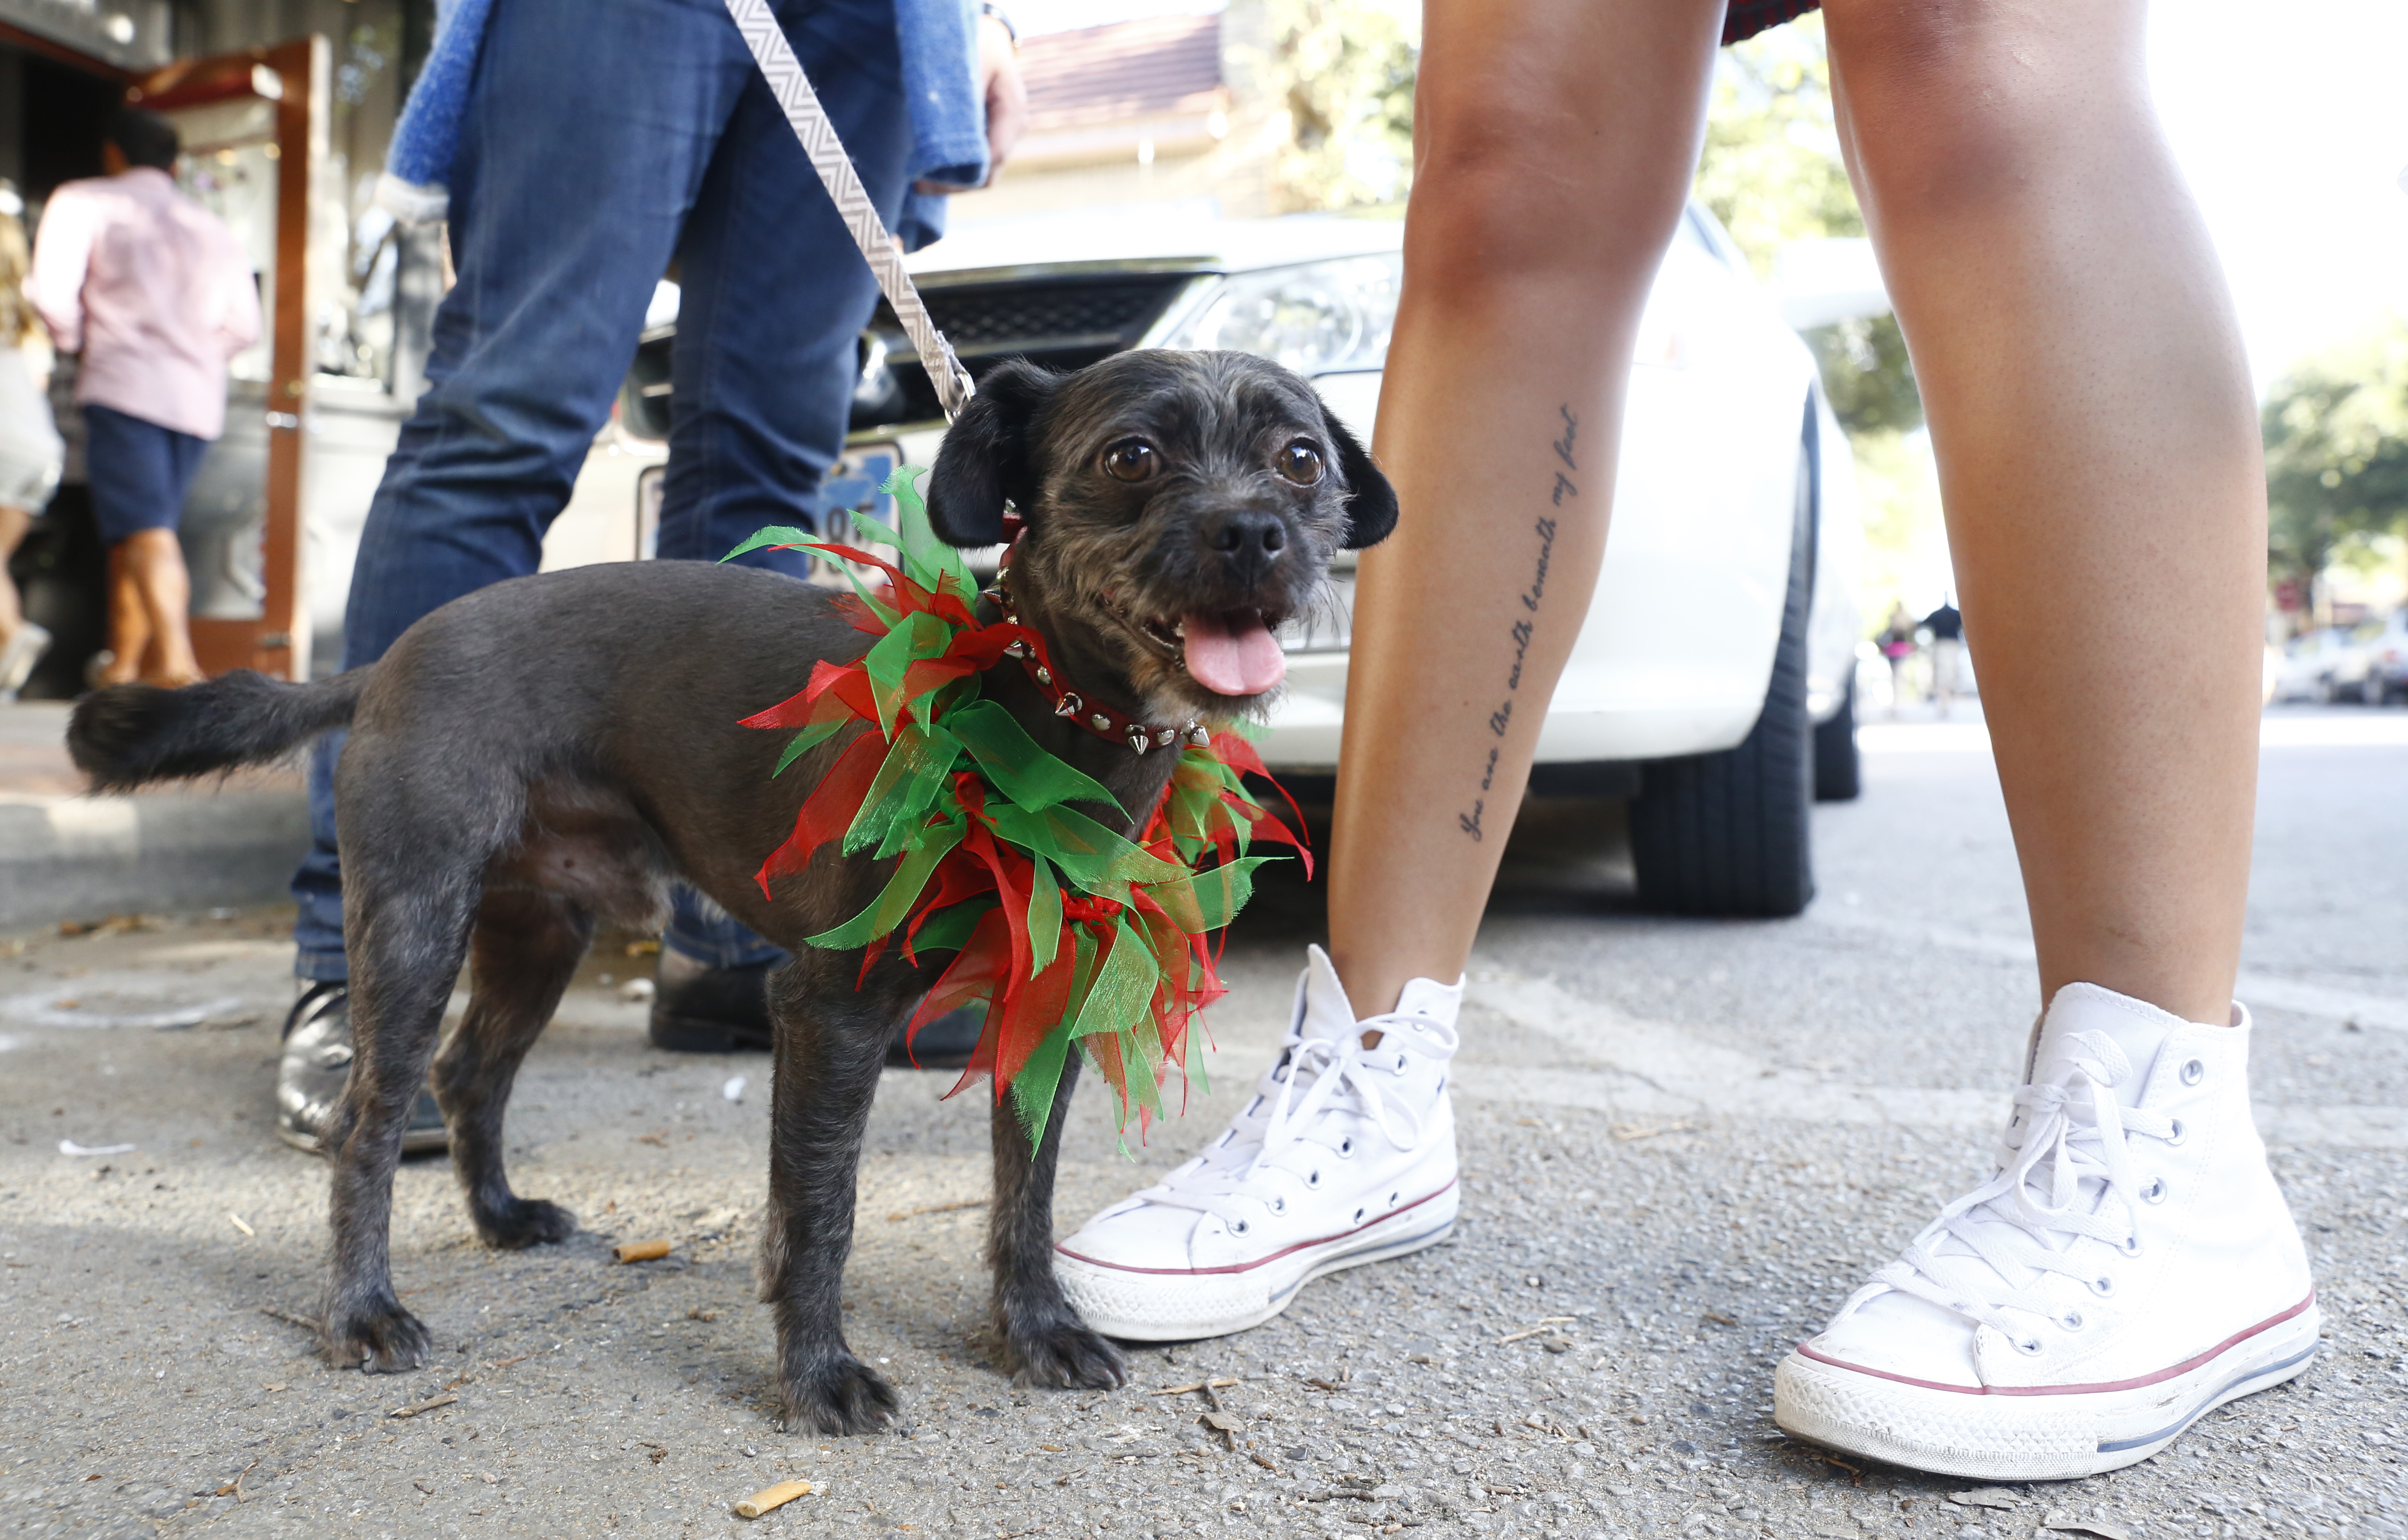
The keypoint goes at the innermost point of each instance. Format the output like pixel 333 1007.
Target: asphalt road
pixel 1684 1143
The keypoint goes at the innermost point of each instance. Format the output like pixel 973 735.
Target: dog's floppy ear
pixel 1370 502
pixel 985 460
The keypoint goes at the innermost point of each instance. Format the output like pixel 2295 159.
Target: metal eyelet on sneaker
pixel 2071 1320
pixel 2156 1191
pixel 1394 1198
pixel 2194 1071
pixel 2131 1246
pixel 1238 1227
pixel 1314 1181
pixel 1358 1215
pixel 2029 1348
pixel 2179 1133
pixel 1279 1204
pixel 1346 1148
pixel 2102 1286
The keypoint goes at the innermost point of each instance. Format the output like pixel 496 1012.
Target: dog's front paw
pixel 1063 1355
pixel 839 1394
pixel 381 1338
pixel 523 1223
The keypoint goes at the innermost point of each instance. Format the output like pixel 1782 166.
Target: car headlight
pixel 1313 317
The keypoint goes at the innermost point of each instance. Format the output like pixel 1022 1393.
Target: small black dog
pixel 552 753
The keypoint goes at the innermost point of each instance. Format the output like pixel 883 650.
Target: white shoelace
pixel 2055 1185
pixel 1338 1076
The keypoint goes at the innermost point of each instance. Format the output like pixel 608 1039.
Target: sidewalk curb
pixel 85 857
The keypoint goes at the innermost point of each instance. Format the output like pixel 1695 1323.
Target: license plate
pixel 851 485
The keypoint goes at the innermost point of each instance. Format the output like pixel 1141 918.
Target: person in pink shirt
pixel 156 294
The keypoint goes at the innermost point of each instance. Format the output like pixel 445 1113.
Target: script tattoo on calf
pixel 1527 626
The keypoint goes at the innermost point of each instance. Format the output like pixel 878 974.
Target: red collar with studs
pixel 1104 722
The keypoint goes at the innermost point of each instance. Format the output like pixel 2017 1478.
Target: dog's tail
pixel 132 735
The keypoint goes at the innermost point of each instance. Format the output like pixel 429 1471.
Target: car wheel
pixel 1837 769
pixel 1726 834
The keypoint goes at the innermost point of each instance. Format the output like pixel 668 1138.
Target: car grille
pixel 1063 322
pixel 1015 316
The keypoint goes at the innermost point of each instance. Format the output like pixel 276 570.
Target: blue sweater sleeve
pixel 428 134
pixel 940 45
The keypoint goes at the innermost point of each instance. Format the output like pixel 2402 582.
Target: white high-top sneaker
pixel 2132 1267
pixel 1345 1155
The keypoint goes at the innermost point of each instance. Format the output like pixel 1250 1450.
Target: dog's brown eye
pixel 1301 463
pixel 1131 460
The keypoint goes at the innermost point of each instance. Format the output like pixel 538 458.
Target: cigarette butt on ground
pixel 640 1250
pixel 768 1498
pixel 239 1224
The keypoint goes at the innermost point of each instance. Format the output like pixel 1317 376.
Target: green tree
pixel 1772 174
pixel 1344 72
pixel 2336 432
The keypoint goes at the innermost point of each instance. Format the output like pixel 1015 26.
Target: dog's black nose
pixel 1251 538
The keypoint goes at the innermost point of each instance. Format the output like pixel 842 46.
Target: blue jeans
pixel 601 139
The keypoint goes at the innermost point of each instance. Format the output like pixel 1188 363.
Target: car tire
pixel 1838 771
pixel 1727 833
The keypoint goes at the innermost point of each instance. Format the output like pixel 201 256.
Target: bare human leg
pixel 1553 145
pixel 1554 141
pixel 14 522
pixel 2099 463
pixel 148 630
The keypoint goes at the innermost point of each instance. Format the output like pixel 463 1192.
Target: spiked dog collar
pixel 1104 722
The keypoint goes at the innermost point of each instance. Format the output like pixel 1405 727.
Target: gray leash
pixel 787 83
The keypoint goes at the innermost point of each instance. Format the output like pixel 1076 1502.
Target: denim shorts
pixel 1746 18
pixel 138 470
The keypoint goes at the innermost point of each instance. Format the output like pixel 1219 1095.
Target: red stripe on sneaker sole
pixel 2185 1367
pixel 1262 1262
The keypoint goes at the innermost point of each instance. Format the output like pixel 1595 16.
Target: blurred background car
pixel 2331 664
pixel 2387 661
pixel 1713 683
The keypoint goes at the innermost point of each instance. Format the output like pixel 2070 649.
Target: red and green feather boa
pixel 1069 933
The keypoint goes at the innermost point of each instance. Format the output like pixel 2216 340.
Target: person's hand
pixel 1005 95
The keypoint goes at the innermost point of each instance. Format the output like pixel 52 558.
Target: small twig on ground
pixel 1534 1331
pixel 901 1215
pixel 1627 1131
pixel 427 1405
pixel 1200 1385
pixel 288 1316
pixel 241 1225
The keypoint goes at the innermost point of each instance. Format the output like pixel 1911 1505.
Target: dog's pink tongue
pixel 1243 659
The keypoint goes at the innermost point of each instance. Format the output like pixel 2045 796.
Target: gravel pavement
pixel 1684 1143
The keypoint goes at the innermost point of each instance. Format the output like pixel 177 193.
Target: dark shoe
pixel 697 1009
pixel 945 1042
pixel 316 1066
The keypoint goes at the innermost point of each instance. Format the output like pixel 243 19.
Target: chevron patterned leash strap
pixel 787 83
